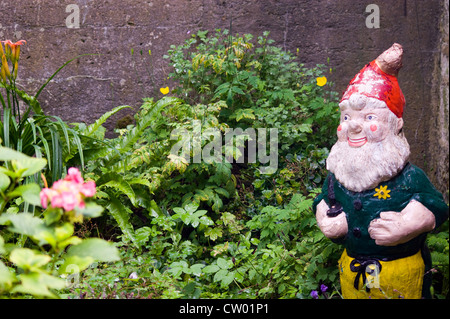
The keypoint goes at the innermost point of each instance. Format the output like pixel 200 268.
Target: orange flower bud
pixel 5 67
pixel 3 75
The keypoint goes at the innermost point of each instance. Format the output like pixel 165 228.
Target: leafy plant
pixel 262 85
pixel 54 250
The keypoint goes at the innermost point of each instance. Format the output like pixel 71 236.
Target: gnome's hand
pixel 331 227
pixel 394 228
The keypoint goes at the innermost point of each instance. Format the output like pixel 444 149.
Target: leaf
pixel 227 279
pixel 29 193
pixel 91 210
pixel 121 215
pixel 7 278
pixel 179 211
pixel 210 269
pixel 28 259
pixel 178 267
pixel 30 100
pixel 96 248
pixel 23 163
pixel 75 264
pixel 196 269
pixel 220 275
pixel 222 192
pixel 191 207
pixel 8 154
pixel 207 221
pixel 154 209
pixel 30 166
pixel 116 181
pixel 91 129
pixel 23 223
pixel 38 284
pixel 245 114
pixel 201 195
pixel 213 233
pixel 179 163
pixel 224 264
pixel 4 182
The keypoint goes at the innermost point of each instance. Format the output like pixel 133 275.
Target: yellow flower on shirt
pixel 382 192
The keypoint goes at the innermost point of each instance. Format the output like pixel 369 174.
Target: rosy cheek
pixel 373 128
pixel 339 128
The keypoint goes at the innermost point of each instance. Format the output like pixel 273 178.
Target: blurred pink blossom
pixel 68 193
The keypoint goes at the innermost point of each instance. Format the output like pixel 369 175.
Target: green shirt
pixel 363 207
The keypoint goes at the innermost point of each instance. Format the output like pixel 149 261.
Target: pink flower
pixel 46 195
pixel 74 175
pixel 70 200
pixel 88 189
pixel 68 193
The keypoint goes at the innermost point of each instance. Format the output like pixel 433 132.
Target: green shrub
pixel 262 85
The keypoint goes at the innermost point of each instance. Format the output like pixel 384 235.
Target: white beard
pixel 363 168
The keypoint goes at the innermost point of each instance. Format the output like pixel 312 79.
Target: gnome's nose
pixel 355 127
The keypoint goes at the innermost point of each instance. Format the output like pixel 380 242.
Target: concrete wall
pixel 320 29
pixel 438 138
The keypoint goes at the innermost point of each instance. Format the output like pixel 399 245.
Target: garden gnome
pixel 374 201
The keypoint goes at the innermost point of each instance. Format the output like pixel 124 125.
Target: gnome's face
pixel 366 120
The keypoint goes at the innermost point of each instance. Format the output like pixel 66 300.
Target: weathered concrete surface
pixel 438 152
pixel 320 29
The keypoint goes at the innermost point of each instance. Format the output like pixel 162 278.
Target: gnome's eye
pixel 370 117
pixel 346 117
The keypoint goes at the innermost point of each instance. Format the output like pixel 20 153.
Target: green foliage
pixel 262 85
pixel 35 250
pixel 439 247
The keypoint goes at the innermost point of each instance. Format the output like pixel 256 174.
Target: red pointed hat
pixel 378 79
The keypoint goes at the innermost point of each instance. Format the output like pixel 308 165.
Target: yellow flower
pixel 382 192
pixel 321 81
pixel 164 90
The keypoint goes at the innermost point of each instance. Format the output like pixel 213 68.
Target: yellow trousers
pixel 397 279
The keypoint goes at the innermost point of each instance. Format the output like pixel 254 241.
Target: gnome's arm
pixel 394 228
